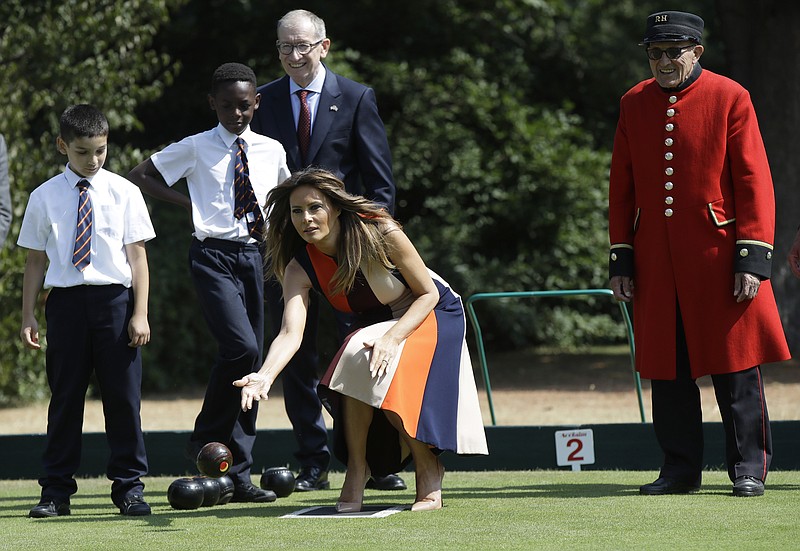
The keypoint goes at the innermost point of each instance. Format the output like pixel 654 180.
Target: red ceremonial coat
pixel 691 203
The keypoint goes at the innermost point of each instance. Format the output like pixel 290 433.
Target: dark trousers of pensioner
pixel 678 422
pixel 299 380
pixel 229 280
pixel 87 331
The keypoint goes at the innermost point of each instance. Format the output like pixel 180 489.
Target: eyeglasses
pixel 303 48
pixel 672 53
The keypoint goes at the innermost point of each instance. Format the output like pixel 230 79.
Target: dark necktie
pixel 81 255
pixel 246 203
pixel 304 125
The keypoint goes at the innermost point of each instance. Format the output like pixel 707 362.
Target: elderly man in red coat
pixel 691 224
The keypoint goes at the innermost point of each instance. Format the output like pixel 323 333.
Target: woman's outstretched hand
pixel 254 387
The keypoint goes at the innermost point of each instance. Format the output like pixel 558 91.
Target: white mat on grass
pixel 329 511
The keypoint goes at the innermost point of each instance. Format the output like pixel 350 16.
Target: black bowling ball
pixel 278 479
pixel 211 490
pixel 225 489
pixel 185 493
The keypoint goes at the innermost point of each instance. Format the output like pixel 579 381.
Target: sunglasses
pixel 672 53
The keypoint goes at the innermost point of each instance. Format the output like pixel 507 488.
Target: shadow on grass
pixel 584 491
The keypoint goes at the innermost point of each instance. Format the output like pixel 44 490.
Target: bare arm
pixel 138 327
pixel 426 295
pixel 32 282
pixel 296 286
pixel 151 182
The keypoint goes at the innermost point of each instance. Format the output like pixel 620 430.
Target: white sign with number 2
pixel 575 448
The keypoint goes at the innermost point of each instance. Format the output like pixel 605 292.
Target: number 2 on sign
pixel 573 456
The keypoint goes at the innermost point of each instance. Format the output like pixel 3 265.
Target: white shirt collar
pixel 315 85
pixel 73 177
pixel 229 138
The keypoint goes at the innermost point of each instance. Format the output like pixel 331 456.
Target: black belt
pixel 226 244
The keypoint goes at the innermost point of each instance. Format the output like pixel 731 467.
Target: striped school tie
pixel 246 202
pixel 81 256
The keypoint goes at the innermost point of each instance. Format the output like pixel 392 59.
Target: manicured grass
pixel 556 510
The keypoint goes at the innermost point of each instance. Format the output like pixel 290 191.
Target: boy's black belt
pixel 226 244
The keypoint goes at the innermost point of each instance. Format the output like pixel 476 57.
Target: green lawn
pixel 594 510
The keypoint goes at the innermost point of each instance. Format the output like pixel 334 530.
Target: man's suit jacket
pixel 348 137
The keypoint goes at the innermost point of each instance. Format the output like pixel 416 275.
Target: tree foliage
pixel 500 114
pixel 54 54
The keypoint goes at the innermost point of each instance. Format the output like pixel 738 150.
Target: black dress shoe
pixel 310 479
pixel 664 485
pixel 388 482
pixel 247 493
pixel 748 486
pixel 49 507
pixel 134 505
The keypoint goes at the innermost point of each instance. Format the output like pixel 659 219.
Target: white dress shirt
pixel 120 217
pixel 314 89
pixel 206 160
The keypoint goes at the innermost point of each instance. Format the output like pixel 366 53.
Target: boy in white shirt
pixel 90 225
pixel 229 170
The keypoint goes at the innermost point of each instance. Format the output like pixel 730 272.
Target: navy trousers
pixel 229 280
pixel 678 421
pixel 87 332
pixel 300 379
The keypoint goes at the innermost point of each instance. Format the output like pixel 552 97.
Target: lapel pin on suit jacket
pixel 334 107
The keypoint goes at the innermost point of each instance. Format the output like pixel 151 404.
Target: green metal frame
pixel 567 292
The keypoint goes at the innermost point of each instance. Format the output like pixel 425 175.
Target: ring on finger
pixel 385 362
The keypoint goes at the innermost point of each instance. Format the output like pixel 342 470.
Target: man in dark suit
pixel 324 120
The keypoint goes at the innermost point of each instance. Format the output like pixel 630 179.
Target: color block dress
pixel 429 384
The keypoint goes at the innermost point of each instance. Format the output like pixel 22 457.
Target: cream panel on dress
pixel 351 376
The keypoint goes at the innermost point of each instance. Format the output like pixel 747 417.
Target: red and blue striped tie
pixel 245 201
pixel 81 256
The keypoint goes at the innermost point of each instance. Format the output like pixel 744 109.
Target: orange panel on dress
pixel 325 267
pixel 407 390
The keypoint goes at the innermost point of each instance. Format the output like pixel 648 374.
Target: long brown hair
pixel 363 226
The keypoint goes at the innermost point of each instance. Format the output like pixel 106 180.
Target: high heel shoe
pixel 433 500
pixel 348 507
pixel 352 506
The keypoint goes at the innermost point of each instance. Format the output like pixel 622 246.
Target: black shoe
pixel 247 493
pixel 748 486
pixel 664 485
pixel 310 479
pixel 134 505
pixel 386 483
pixel 50 507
